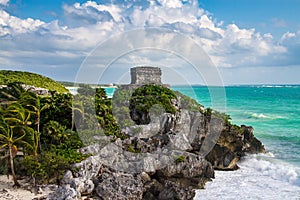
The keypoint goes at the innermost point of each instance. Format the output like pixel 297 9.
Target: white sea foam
pixel 273 168
pixel 277 86
pixel 263 116
pixel 259 116
pixel 260 177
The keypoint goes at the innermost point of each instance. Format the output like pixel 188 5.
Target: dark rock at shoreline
pixel 252 144
pixel 232 144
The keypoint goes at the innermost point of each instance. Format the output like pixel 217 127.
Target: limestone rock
pixel 67 178
pixel 87 169
pixel 119 186
pixel 232 144
pixel 252 144
pixel 64 193
pixel 188 167
pixel 83 186
pixel 222 158
pixel 172 190
pixel 166 159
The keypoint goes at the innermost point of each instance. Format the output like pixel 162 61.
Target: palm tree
pixel 13 132
pixel 77 107
pixel 18 117
pixel 15 113
pixel 11 93
pixel 33 102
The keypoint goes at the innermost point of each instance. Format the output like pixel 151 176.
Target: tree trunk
pixel 73 122
pixel 11 157
pixel 38 130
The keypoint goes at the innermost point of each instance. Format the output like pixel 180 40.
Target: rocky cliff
pixel 167 158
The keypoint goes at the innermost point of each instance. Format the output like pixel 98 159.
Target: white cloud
pixel 83 26
pixel 4 2
pixel 287 36
pixel 10 25
pixel 171 3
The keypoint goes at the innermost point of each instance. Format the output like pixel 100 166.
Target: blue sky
pixel 275 16
pixel 250 42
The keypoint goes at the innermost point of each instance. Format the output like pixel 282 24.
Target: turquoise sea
pixel 274 112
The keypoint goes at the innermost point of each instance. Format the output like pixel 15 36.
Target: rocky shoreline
pixel 167 159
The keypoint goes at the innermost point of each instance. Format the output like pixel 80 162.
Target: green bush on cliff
pixel 218 115
pixel 120 105
pixel 143 98
pixel 146 97
pixel 188 103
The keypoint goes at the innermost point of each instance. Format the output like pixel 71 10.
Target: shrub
pixel 145 97
pixel 50 166
pixel 188 103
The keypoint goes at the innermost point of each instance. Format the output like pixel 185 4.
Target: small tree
pixel 14 132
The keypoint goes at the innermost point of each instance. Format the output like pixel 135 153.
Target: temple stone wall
pixel 145 75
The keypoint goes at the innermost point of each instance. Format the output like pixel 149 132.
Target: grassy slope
pixel 27 78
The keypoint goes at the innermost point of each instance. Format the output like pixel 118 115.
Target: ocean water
pixel 274 112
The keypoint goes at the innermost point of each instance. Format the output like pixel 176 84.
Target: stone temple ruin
pixel 145 75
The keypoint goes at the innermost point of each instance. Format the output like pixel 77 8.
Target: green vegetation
pixel 120 104
pixel 96 114
pixel 146 97
pixel 133 147
pixel 223 116
pixel 27 78
pixel 40 135
pixel 218 115
pixel 35 134
pixel 180 159
pixel 188 103
pixel 143 98
pixel 50 166
pixel 208 111
pixel 15 133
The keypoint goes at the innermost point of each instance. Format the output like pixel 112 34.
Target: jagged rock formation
pixel 166 156
pixel 187 131
pixel 118 174
pixel 232 144
pixel 165 159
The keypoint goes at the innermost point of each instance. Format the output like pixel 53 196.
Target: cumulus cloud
pixel 4 2
pixel 84 25
pixel 10 25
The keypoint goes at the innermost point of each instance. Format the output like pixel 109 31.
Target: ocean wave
pixel 263 116
pixel 259 116
pixel 273 168
pixel 259 177
pixel 277 86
